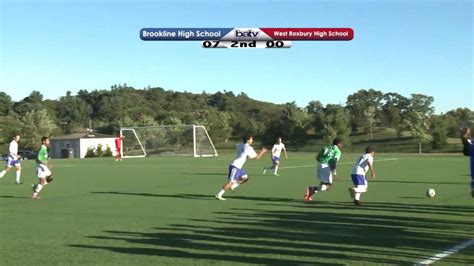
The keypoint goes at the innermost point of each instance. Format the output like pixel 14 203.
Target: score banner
pixel 246 37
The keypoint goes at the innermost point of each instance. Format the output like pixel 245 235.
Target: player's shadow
pixel 206 174
pixel 384 207
pixel 13 197
pixel 176 196
pixel 199 196
pixel 421 182
pixel 310 236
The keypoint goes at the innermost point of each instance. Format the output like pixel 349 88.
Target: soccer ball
pixel 430 193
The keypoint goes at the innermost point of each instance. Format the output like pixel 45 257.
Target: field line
pixel 446 253
pixel 314 164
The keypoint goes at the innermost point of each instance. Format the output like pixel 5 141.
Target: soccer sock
pixel 360 189
pixel 221 193
pixel 316 189
pixel 234 186
pixel 357 196
pixel 39 187
pixel 2 173
pixel 276 169
pixel 324 187
pixel 18 175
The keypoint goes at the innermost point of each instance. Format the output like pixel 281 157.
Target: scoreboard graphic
pixel 246 37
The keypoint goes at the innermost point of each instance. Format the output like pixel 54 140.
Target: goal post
pixel 133 143
pixel 171 140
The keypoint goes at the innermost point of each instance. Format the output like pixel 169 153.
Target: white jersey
pixel 243 151
pixel 277 148
pixel 13 149
pixel 362 164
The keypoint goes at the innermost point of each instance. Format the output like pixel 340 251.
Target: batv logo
pixel 246 34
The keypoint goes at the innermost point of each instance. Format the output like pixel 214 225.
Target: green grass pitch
pixel 162 211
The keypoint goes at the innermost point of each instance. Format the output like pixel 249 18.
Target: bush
pixel 90 153
pixel 108 152
pixel 99 152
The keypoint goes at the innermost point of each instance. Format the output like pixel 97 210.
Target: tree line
pixel 228 116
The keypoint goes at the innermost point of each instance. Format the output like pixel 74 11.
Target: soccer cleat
pixel 219 197
pixel 264 170
pixel 309 193
pixel 276 174
pixel 19 183
pixel 357 202
pixel 35 197
pixel 351 192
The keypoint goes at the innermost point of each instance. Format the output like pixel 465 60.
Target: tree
pixel 36 124
pixel 439 132
pixel 394 109
pixel 358 103
pixel 419 111
pixel 32 102
pixel 336 120
pixel 370 120
pixel 293 124
pixel 5 103
pixel 73 113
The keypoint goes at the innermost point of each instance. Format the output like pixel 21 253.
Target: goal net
pixel 185 140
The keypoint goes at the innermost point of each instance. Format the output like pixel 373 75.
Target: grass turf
pixel 162 211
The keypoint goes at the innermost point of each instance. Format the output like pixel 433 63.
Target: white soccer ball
pixel 430 192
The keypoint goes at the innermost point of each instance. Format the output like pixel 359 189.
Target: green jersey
pixel 42 154
pixel 329 154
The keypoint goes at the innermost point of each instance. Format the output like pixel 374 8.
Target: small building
pixel 76 145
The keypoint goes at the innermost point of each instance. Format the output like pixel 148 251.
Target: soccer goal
pixel 183 140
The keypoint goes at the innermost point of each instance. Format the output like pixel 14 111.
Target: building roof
pixel 83 136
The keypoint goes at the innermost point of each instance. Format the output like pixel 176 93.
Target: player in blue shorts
pixel 276 155
pixel 13 159
pixel 364 163
pixel 468 150
pixel 237 174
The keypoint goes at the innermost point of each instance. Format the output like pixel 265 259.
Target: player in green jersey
pixel 327 159
pixel 42 168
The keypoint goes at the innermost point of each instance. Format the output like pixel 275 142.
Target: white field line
pixel 314 164
pixel 446 253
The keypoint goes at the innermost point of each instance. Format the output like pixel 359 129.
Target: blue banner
pixel 183 34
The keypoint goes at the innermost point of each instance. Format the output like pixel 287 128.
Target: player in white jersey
pixel 276 153
pixel 364 163
pixel 13 159
pixel 237 174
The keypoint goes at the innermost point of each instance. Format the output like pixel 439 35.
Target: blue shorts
pixel 359 180
pixel 11 162
pixel 235 173
pixel 275 159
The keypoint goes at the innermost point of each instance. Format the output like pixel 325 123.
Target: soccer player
pixel 13 159
pixel 118 145
pixel 327 159
pixel 468 150
pixel 276 152
pixel 43 171
pixel 360 168
pixel 237 174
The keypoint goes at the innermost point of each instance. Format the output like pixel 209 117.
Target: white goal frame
pixel 194 148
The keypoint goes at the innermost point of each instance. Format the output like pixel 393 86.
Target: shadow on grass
pixel 328 234
pixel 207 174
pixel 13 197
pixel 420 182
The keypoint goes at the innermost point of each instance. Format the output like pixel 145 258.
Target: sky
pixel 399 46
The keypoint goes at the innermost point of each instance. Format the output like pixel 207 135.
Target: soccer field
pixel 163 211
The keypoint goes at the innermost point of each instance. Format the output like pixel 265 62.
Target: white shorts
pixel 324 173
pixel 42 171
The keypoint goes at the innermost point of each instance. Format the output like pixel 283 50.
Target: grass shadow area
pixel 297 236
